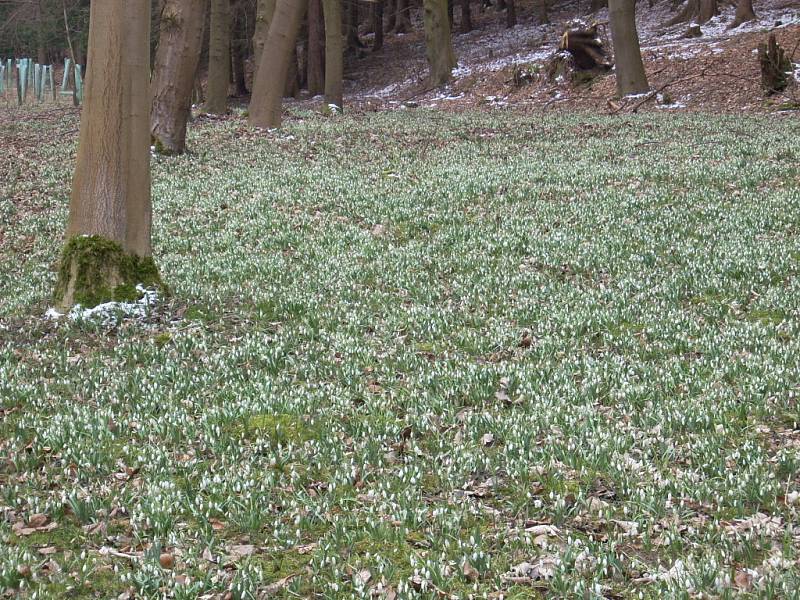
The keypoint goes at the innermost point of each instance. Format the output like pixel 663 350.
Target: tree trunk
pixel 263 18
pixel 292 89
pixel 41 51
pixel 441 57
pixel 377 25
pixel 511 13
pixel 239 49
pixel 353 41
pixel 334 61
pixel 776 67
pixel 268 87
pixel 108 252
pixel 403 19
pixel 597 5
pixel 700 10
pixel 391 15
pixel 744 13
pixel 540 11
pixel 466 17
pixel 708 10
pixel 631 78
pixel 316 48
pixel 219 58
pixel 177 57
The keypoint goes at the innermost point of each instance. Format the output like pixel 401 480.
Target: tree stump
pixel 586 48
pixel 775 66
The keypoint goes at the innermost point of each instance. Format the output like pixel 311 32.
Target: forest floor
pixel 718 71
pixel 415 355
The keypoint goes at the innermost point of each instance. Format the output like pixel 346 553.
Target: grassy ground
pixel 417 355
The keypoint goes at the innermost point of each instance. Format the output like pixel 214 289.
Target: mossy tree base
pixel 94 270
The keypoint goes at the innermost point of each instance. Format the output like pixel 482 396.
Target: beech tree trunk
pixel 108 247
pixel 377 25
pixel 263 18
pixel 403 18
pixel 239 49
pixel 511 13
pixel 631 78
pixel 441 56
pixel 744 13
pixel 597 5
pixel 540 10
pixel 292 89
pixel 391 15
pixel 279 48
pixel 334 52
pixel 316 48
pixel 353 41
pixel 177 57
pixel 219 58
pixel 41 51
pixel 466 17
pixel 701 11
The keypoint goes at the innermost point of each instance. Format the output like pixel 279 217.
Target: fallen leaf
pixel 216 524
pixel 363 576
pixel 487 439
pixel 273 588
pixel 24 571
pixel 743 580
pixel 208 556
pixel 629 527
pixel 166 560
pixel 240 551
pixel 48 550
pixel 94 528
pixel 37 520
pixel 470 572
pixel 305 548
pixel 542 530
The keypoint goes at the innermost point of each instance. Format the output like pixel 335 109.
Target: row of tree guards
pixel 23 78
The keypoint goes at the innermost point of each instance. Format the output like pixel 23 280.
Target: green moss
pixel 161 148
pixel 162 339
pixel 98 270
pixel 766 316
pixel 280 429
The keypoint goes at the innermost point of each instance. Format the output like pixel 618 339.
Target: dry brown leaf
pixel 743 580
pixel 47 550
pixel 470 572
pixel 37 520
pixel 166 560
pixel 208 556
pixel 273 588
pixel 24 571
pixel 363 576
pixel 538 530
pixel 240 551
pixel 216 524
pixel 305 548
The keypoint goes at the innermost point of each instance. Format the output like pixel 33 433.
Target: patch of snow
pixel 110 313
pixel 635 96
